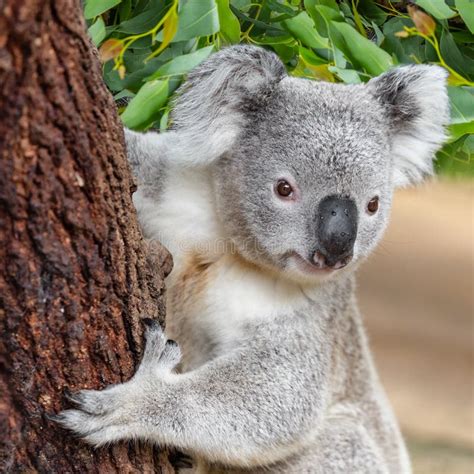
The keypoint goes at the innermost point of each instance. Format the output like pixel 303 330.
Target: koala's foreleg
pixel 244 409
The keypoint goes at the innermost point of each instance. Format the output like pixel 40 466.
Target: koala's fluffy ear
pixel 417 104
pixel 210 106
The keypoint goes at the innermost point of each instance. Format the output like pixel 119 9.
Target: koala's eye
pixel 283 188
pixel 373 205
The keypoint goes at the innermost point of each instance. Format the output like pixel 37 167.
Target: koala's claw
pixel 94 402
pixel 150 323
pixel 170 356
pixel 95 430
pixel 160 353
pixel 97 412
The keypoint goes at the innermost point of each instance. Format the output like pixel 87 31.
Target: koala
pixel 269 191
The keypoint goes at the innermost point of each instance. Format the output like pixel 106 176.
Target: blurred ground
pixel 416 294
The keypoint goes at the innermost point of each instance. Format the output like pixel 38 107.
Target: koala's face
pixel 304 171
pixel 308 186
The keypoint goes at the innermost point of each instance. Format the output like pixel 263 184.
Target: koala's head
pixel 304 171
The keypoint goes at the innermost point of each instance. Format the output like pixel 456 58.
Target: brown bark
pixel 74 277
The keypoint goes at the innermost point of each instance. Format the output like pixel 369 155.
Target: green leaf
pixel 287 53
pixel 125 10
pixel 311 66
pixel 97 31
pixel 349 76
pixel 164 120
pixel 462 63
pixel 310 58
pixel 466 10
pixel 326 3
pixel 242 5
pixel 358 20
pixel 322 15
pixel 408 50
pixel 272 40
pixel 361 51
pixel 378 34
pixel 197 18
pixel 370 11
pixel 457 130
pixel 437 8
pixel 302 27
pixel 463 37
pixel 182 64
pixel 229 24
pixel 170 27
pixel 145 20
pixel 144 107
pixel 276 6
pixel 261 26
pixel 462 104
pixel 457 158
pixel 94 8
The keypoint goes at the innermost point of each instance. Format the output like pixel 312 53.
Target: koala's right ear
pixel 416 102
pixel 210 106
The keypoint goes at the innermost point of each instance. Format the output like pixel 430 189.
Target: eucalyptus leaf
pixel 94 8
pixel 457 157
pixel 264 27
pixel 466 10
pixel 197 18
pixel 322 16
pixel 273 40
pixel 462 104
pixel 125 9
pixel 302 27
pixel 310 57
pixel 459 129
pixel 349 76
pixel 437 8
pixel 408 50
pixel 288 54
pixel 229 24
pixel 369 10
pixel 144 21
pixel 97 31
pixel 145 105
pixel 453 56
pixel 182 64
pixel 361 51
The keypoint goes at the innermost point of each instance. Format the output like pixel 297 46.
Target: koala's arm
pixel 253 406
pixel 148 153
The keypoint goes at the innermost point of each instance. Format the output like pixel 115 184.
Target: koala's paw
pixel 160 355
pixel 101 417
pixel 120 411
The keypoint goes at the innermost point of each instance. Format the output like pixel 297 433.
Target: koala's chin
pixel 293 267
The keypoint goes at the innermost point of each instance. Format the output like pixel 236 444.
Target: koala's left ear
pixel 211 107
pixel 416 100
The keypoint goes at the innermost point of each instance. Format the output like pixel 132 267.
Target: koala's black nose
pixel 337 229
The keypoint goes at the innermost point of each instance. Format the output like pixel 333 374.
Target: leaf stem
pixel 434 42
pixel 129 40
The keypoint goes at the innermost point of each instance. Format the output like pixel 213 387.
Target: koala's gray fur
pixel 275 374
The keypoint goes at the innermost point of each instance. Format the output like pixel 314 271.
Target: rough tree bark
pixel 75 276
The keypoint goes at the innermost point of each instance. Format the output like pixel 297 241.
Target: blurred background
pixel 417 297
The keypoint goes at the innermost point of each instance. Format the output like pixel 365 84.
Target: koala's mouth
pixel 316 266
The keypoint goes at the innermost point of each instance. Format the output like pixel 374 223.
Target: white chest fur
pixel 210 305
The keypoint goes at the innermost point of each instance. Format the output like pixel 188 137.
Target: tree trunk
pixel 75 277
